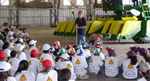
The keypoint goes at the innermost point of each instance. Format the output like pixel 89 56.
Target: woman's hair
pixel 64 75
pixel 133 59
pixel 23 65
pixel 5 75
pixel 6 45
pixel 46 70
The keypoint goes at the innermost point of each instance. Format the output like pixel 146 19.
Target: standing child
pixel 47 74
pixel 130 66
pixel 34 62
pixel 65 63
pixel 96 64
pixel 22 74
pixel 144 72
pixel 24 35
pixel 112 68
pixel 14 62
pixel 80 65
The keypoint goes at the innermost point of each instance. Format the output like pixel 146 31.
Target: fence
pixel 31 17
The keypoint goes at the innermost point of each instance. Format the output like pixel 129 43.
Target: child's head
pixel 12 28
pixel 75 47
pixel 64 75
pixel 14 54
pixel 6 30
pixel 46 48
pixel 96 52
pixel 64 57
pixel 56 43
pixel 62 51
pixel 5 71
pixel 99 47
pixel 143 52
pixel 34 53
pixel 32 43
pixel 135 49
pixel 23 65
pixel 20 28
pixel 6 46
pixel 47 65
pixel 57 47
pixel 52 49
pixel 80 14
pixel 144 71
pixel 5 24
pixel 24 30
pixel 79 51
pixel 132 55
pixel 2 55
pixel 68 46
pixel 85 46
pixel 19 48
pixel 71 51
pixel 11 39
pixel 112 53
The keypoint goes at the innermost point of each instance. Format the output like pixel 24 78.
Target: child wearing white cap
pixel 11 41
pixel 47 74
pixel 22 74
pixel 61 51
pixel 22 55
pixel 10 33
pixel 14 62
pixel 144 72
pixel 46 55
pixel 6 48
pixel 65 63
pixel 34 62
pixel 80 64
pixel 96 64
pixel 32 45
pixel 24 35
pixel 112 67
pixel 86 52
pixel 130 66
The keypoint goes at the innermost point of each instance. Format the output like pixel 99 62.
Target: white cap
pixel 46 47
pixel 11 37
pixel 10 33
pixel 144 67
pixel 12 27
pixel 32 42
pixel 65 56
pixel 20 40
pixel 19 47
pixel 4 66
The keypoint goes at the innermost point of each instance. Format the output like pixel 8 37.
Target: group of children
pixel 20 61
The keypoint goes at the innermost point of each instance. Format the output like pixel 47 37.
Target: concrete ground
pixel 45 35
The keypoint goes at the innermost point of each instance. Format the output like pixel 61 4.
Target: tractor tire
pixel 142 40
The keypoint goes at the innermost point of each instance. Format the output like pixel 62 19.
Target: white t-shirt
pixel 29 51
pixel 34 65
pixel 79 63
pixel 25 76
pixel 19 33
pixel 11 79
pixel 86 53
pixel 111 66
pixel 142 79
pixel 14 62
pixel 24 35
pixel 66 64
pixel 140 59
pixel 1 44
pixel 22 56
pixel 47 57
pixel 95 63
pixel 51 76
pixel 7 52
pixel 130 71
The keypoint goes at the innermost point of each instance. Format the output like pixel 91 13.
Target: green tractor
pixel 131 21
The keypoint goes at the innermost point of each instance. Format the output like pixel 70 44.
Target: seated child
pixel 22 74
pixel 65 63
pixel 112 68
pixel 71 53
pixel 64 75
pixel 24 35
pixel 47 74
pixel 143 56
pixel 80 64
pixel 130 66
pixel 144 72
pixel 20 31
pixel 34 63
pixel 32 45
pixel 22 55
pixel 14 62
pixel 6 49
pixel 61 51
pixel 86 52
pixel 68 47
pixel 96 64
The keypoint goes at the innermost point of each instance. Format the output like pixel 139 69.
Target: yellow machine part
pixel 103 19
pixel 107 27
pixel 95 26
pixel 129 26
pixel 112 27
pixel 70 26
pixel 89 23
pixel 63 26
pixel 130 18
pixel 118 27
pixel 58 26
